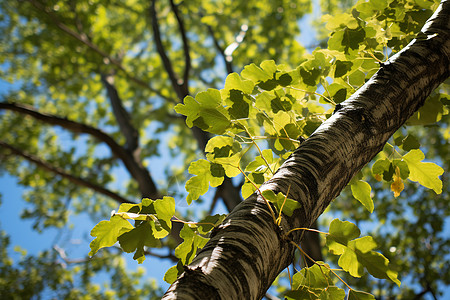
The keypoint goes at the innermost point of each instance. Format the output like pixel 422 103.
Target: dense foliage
pixel 94 111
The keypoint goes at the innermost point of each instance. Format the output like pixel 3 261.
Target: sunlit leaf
pixel 107 232
pixel 358 295
pixel 283 204
pixel 205 111
pixel 192 242
pixel 135 240
pixel 427 174
pixel 361 191
pixel 199 184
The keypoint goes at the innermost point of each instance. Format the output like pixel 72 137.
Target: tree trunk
pixel 247 251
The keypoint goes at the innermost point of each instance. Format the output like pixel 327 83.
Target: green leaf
pixel 357 254
pixel 430 113
pixel 427 174
pixel 384 167
pixel 410 142
pixel 107 232
pixel 380 166
pixel 128 207
pixel 303 293
pixel 342 68
pixel 269 66
pixel 171 275
pixel 283 204
pixel 247 189
pixel 136 239
pixel 378 266
pixel 199 185
pixel 256 74
pixel 340 233
pixel 205 111
pixel 361 191
pixel 357 78
pixel 239 108
pixel 165 209
pixel 173 272
pixel 313 277
pixel 225 151
pixel 350 261
pixel 208 223
pixel 337 91
pixel 285 79
pixel 403 167
pixel 192 242
pixel 235 82
pixel 259 165
pixel 357 295
pixel 332 293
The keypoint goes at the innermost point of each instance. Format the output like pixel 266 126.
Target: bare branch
pixel 137 171
pixel 187 57
pixel 67 261
pixel 59 171
pixel 123 118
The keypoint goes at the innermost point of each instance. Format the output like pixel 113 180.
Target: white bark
pixel 248 251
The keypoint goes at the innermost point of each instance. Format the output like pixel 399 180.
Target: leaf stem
pixel 314 93
pixel 175 219
pixel 308 229
pixel 259 149
pixel 260 193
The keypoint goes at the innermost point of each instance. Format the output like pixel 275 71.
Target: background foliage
pixel 124 67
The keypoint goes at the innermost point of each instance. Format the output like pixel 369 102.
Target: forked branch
pixel 146 185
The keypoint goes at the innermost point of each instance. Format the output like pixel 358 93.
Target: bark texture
pixel 248 251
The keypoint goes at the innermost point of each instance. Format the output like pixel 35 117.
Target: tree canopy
pixel 108 103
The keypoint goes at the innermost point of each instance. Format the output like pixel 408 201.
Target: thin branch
pixel 162 53
pixel 62 253
pixel 59 171
pixel 187 57
pixel 170 256
pixel 85 40
pixel 219 48
pixel 123 118
pixel 137 171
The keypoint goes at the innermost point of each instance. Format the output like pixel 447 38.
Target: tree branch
pixel 146 185
pixel 187 57
pixel 61 172
pixel 123 118
pixel 179 89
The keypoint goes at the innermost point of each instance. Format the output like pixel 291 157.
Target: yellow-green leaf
pixel 361 191
pixel 427 174
pixel 107 232
pixel 198 185
pixel 357 295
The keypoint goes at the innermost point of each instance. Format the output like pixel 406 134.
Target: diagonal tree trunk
pixel 248 251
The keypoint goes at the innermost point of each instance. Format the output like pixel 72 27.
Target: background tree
pixel 92 94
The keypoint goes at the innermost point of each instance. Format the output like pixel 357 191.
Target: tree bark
pixel 247 251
